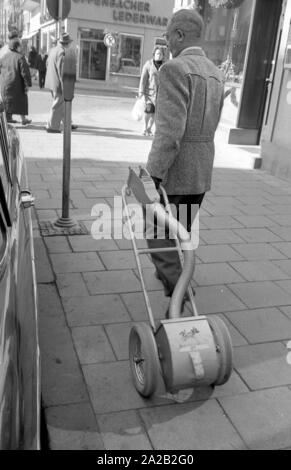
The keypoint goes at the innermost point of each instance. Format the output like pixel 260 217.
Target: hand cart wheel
pixel 224 349
pixel 143 358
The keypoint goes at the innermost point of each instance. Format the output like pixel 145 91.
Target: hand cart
pixel 188 351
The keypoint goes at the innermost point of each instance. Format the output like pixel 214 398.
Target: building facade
pixel 136 27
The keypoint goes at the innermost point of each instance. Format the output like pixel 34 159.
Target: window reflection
pixel 126 55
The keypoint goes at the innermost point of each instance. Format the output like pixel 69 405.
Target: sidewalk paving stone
pixel 283 247
pixel 217 237
pixel 71 285
pixel 110 387
pixel 259 270
pixel 216 299
pixel 88 243
pixel 257 235
pixel 263 365
pixel 223 222
pixel 262 418
pixel 111 282
pixel 261 294
pixel 215 273
pixel 62 380
pixel 281 219
pixel 255 210
pixel 276 209
pixel 57 244
pixel 258 251
pixel 92 345
pixel 44 272
pixel 199 426
pixel 51 203
pixel 283 232
pixel 210 253
pixel 135 304
pixel 261 325
pixel 73 427
pixel 285 265
pixel 287 311
pixel 118 335
pixel 254 221
pixel 95 310
pixel 122 259
pixel 47 214
pixel 49 302
pixel 285 285
pixel 151 282
pixel 123 431
pixel 76 262
pixel 236 336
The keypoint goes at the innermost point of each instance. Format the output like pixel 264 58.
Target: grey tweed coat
pixel 189 103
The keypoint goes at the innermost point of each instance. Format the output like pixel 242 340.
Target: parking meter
pixel 69 79
pixel 69 74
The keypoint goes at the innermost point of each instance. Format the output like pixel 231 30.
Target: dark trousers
pixel 41 78
pixel 168 264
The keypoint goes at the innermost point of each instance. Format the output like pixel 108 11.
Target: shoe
pixel 26 121
pixel 74 127
pixel 53 131
pixel 144 133
pixel 11 121
pixel 149 133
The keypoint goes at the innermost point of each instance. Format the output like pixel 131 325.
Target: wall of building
pixel 276 134
pixel 141 21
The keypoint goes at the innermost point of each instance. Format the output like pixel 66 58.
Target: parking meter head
pixel 69 74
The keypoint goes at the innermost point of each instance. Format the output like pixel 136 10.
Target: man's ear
pixel 180 34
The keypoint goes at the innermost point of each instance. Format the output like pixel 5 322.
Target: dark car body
pixel 19 347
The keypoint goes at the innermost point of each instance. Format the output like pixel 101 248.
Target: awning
pixel 29 35
pixel 30 5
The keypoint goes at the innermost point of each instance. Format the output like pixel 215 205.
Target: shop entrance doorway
pixel 93 58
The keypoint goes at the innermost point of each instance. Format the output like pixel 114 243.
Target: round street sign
pixel 53 8
pixel 109 40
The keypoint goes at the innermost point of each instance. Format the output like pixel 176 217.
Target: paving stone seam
pixel 277 234
pixel 259 282
pixel 285 314
pixel 109 341
pixel 233 325
pixel 231 422
pixel 144 427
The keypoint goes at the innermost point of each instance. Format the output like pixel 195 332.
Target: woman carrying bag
pixel 148 87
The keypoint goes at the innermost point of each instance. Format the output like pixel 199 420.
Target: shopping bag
pixel 138 109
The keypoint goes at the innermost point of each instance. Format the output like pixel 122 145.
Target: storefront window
pixel 227 25
pixel 93 54
pixel 126 55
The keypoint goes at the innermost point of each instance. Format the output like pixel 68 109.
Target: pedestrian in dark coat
pixel 32 58
pixel 41 67
pixel 15 80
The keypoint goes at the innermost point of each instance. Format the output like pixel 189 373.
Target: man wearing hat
pixel 13 34
pixel 54 83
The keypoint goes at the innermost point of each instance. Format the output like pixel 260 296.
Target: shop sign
pixel 129 11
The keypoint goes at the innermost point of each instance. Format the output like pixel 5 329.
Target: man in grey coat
pixel 54 82
pixel 189 104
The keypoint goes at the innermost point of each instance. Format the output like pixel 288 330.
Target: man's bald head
pixel 184 30
pixel 188 20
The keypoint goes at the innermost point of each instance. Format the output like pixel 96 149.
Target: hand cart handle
pixel 145 192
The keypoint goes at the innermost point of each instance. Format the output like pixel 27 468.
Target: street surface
pixel 90 294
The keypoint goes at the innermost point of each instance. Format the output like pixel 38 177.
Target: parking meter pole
pixel 69 78
pixel 67 160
